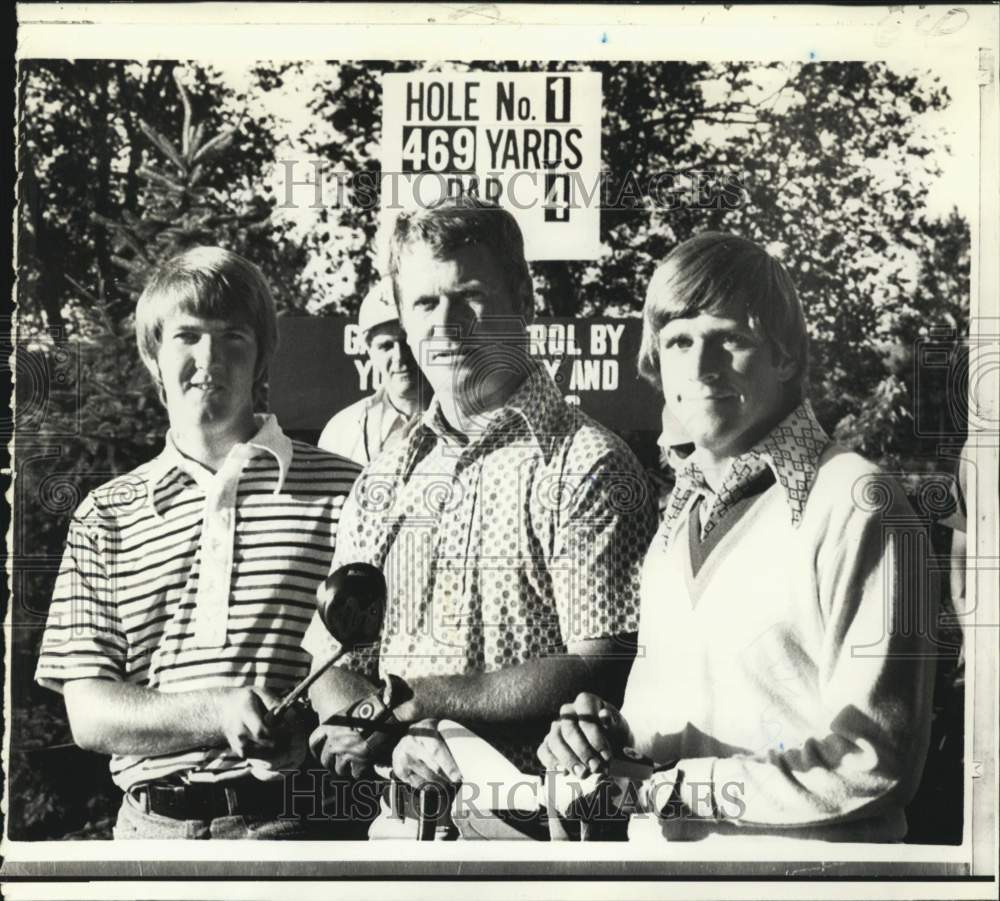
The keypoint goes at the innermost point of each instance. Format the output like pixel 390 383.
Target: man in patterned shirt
pixel 187 584
pixel 509 525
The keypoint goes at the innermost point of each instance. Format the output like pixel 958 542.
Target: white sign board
pixel 529 140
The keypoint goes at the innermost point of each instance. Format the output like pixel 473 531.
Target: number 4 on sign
pixel 413 150
pixel 437 152
pixel 556 198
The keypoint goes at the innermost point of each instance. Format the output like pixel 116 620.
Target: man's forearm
pixel 120 718
pixel 534 690
pixel 336 689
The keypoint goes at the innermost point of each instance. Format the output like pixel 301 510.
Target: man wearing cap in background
pixel 365 428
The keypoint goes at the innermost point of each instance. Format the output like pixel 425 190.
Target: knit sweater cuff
pixel 697 787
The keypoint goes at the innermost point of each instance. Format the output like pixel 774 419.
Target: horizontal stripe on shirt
pixel 124 606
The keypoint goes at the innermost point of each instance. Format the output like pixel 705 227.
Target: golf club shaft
pixel 306 683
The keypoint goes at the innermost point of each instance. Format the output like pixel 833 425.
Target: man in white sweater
pixel 783 683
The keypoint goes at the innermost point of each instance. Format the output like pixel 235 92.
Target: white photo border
pixel 963 38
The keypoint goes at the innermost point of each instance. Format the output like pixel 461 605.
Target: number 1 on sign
pixel 557 99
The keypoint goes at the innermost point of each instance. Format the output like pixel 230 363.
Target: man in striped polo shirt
pixel 187 584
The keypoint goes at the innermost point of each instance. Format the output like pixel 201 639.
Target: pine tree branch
pixel 162 180
pixel 93 298
pixel 186 101
pixel 163 143
pixel 197 136
pixel 217 145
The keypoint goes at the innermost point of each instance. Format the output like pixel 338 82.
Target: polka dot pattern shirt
pixel 507 548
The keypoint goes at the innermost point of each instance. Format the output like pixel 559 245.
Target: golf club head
pixel 351 603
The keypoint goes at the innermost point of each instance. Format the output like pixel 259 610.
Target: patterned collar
pixel 791 450
pixel 269 438
pixel 536 403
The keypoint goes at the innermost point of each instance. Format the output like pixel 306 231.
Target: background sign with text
pixel 529 140
pixel 322 366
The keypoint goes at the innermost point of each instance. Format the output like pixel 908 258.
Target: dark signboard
pixel 322 366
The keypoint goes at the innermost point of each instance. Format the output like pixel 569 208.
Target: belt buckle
pixel 206 800
pixel 231 798
pixel 162 798
pixel 248 796
pixel 140 794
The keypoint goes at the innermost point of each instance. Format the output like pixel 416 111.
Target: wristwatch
pixel 383 730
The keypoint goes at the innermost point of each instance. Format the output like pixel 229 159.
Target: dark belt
pixel 208 800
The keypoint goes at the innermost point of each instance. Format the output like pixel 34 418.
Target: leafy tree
pixel 823 188
pixel 81 151
pixel 177 212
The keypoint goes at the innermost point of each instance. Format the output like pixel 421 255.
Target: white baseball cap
pixel 378 308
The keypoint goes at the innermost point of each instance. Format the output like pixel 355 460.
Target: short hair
pixel 211 283
pixel 712 271
pixel 463 221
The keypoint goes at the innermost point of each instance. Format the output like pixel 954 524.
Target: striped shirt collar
pixel 791 450
pixel 269 438
pixel 537 402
